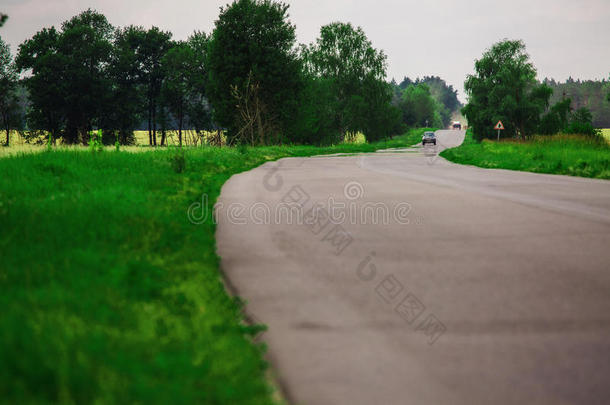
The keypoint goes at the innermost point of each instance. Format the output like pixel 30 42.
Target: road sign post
pixel 499 127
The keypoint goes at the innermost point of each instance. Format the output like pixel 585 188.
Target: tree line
pixel 248 77
pixel 428 101
pixel 592 94
pixel 89 74
pixel 504 88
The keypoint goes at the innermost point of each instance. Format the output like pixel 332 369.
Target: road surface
pixel 418 281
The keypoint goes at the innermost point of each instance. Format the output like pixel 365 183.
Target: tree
pixel 46 83
pixel 591 94
pixel 68 86
pixel 251 64
pixel 86 45
pixel 344 60
pixel 556 119
pixel 3 18
pixel 504 87
pixel 444 97
pixel 126 74
pixel 9 106
pixel 442 92
pixel 198 108
pixel 418 107
pixel 154 46
pixel 581 122
pixel 175 90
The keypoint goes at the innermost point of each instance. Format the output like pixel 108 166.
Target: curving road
pixel 418 281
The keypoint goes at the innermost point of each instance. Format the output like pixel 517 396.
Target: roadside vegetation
pixel 248 78
pixel 574 155
pixel 538 136
pixel 592 94
pixel 428 101
pixel 504 88
pixel 110 294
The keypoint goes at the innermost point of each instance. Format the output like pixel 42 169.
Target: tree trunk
pixel 71 134
pixel 7 126
pixel 149 125
pixel 154 123
pixel 180 129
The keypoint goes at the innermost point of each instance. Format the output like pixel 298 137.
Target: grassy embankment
pixel 109 293
pixel 572 155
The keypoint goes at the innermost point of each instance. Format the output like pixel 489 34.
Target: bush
pixel 556 118
pixel 581 122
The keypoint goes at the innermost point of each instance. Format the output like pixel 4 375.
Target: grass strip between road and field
pixel 110 294
pixel 573 155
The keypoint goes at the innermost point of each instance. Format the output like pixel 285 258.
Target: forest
pixel 591 94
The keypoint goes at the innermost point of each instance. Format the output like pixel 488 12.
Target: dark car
pixel 457 125
pixel 429 137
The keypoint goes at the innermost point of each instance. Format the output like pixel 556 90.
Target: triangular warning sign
pixel 499 125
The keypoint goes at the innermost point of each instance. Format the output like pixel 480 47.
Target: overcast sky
pixel 426 37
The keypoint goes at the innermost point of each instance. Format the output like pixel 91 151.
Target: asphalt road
pixel 434 283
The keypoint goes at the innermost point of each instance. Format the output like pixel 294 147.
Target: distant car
pixel 429 137
pixel 457 125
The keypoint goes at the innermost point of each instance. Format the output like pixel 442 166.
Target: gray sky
pixel 435 37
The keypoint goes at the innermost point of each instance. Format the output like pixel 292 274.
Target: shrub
pixel 581 122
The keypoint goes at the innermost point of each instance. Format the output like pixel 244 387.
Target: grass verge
pixel 109 293
pixel 572 155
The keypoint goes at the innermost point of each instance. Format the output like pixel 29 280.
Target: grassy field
pixel 141 138
pixel 109 293
pixel 19 146
pixel 572 155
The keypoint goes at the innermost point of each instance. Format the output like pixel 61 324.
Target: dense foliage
pixel 440 99
pixel 247 77
pixel 591 94
pixel 419 108
pixel 349 75
pixel 91 75
pixel 253 71
pixel 9 102
pixel 504 87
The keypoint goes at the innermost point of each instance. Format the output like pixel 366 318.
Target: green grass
pixel 109 293
pixel 572 155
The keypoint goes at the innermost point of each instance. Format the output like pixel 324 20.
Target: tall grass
pixel 574 155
